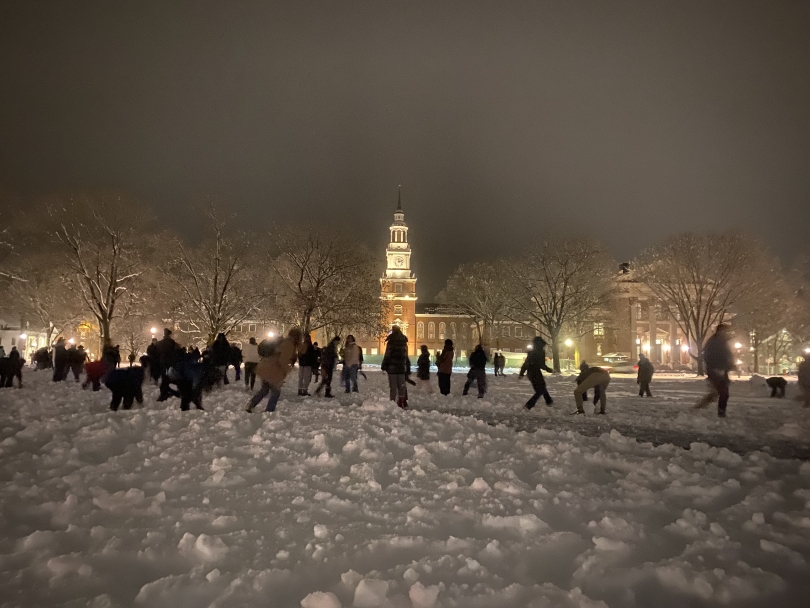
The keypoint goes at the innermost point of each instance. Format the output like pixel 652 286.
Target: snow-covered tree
pixel 219 284
pixel 326 281
pixel 559 282
pixel 482 291
pixel 700 279
pixel 104 239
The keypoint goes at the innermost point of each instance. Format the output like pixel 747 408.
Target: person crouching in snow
pixel 423 370
pixel 804 381
pixel 777 384
pixel 94 372
pixel 533 366
pixel 397 365
pixel 596 378
pixel 126 385
pixel 583 369
pixel 273 370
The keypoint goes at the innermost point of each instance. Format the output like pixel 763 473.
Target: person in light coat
pixel 273 370
pixel 250 356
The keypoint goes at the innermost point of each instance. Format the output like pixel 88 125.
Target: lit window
pixel 431 331
pixel 398 309
pixel 463 330
pixel 251 328
pixel 518 331
pixel 598 329
pixel 442 330
pixel 598 349
pixel 505 331
pixel 398 288
pixel 420 331
pixel 453 331
pixel 506 350
pixel 518 350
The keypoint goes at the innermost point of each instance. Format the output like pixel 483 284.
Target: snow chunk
pixel 205 548
pixel 479 485
pixel 319 599
pixel 423 597
pixel 524 524
pixel 321 531
pixel 370 593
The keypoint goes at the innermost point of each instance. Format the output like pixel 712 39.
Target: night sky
pixel 625 121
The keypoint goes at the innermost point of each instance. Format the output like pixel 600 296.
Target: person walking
pixel 14 364
pixel 645 375
pixel 236 361
pixel 316 365
pixel 306 361
pixel 168 353
pixel 328 361
pixel 397 365
pixel 250 355
pixel 77 358
pixel 273 370
pixel 60 360
pixel 804 380
pixel 423 370
pixel 719 361
pixel 596 378
pixel 154 360
pixel 533 366
pixel 352 358
pixel 221 356
pixel 478 371
pixel 444 365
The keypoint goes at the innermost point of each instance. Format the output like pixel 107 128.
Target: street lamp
pixel 737 345
pixel 153 331
pixel 528 347
pixel 685 348
pixel 23 336
pixel 270 334
pixel 72 341
pixel 569 342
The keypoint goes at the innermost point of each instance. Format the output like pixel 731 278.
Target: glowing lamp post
pixel 270 334
pixel 153 331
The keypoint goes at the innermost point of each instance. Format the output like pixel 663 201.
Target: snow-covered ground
pixel 353 502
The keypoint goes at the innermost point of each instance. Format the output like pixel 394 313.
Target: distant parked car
pixel 618 363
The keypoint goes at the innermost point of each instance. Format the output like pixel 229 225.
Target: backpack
pixel 268 347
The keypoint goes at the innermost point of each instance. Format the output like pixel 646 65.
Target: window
pixel 518 331
pixel 420 331
pixel 598 349
pixel 14 341
pixel 518 350
pixel 506 350
pixel 453 330
pixel 252 328
pixel 431 331
pixel 599 329
pixel 398 288
pixel 505 331
pixel 464 330
pixel 398 310
pixel 373 351
pixel 442 330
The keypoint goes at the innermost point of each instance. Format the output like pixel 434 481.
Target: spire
pixel 399 199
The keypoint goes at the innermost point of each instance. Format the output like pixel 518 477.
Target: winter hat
pixel 539 343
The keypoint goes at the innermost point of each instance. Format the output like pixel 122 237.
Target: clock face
pixel 400 261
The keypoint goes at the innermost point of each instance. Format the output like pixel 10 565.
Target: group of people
pixel 11 366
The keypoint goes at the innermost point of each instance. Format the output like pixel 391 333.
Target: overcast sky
pixel 626 121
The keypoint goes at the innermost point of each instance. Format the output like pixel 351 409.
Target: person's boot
pixel 328 394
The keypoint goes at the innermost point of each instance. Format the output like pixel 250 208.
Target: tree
pixel 216 285
pixel 327 282
pixel 699 279
pixel 481 290
pixel 104 239
pixel 557 283
pixel 45 297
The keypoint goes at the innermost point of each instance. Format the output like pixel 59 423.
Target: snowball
pixel 321 531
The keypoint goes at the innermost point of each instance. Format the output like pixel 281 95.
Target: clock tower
pixel 399 283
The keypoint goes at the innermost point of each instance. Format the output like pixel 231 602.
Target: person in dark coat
pixel 306 361
pixel 533 367
pixel 77 358
pixel 191 375
pixel 167 355
pixel 126 385
pixel 423 370
pixel 777 384
pixel 153 353
pixel 221 356
pixel 719 362
pixel 14 365
pixel 478 371
pixel 110 356
pixel 328 360
pixel 60 360
pixel 397 365
pixel 316 366
pixel 236 361
pixel 444 364
pixel 645 375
